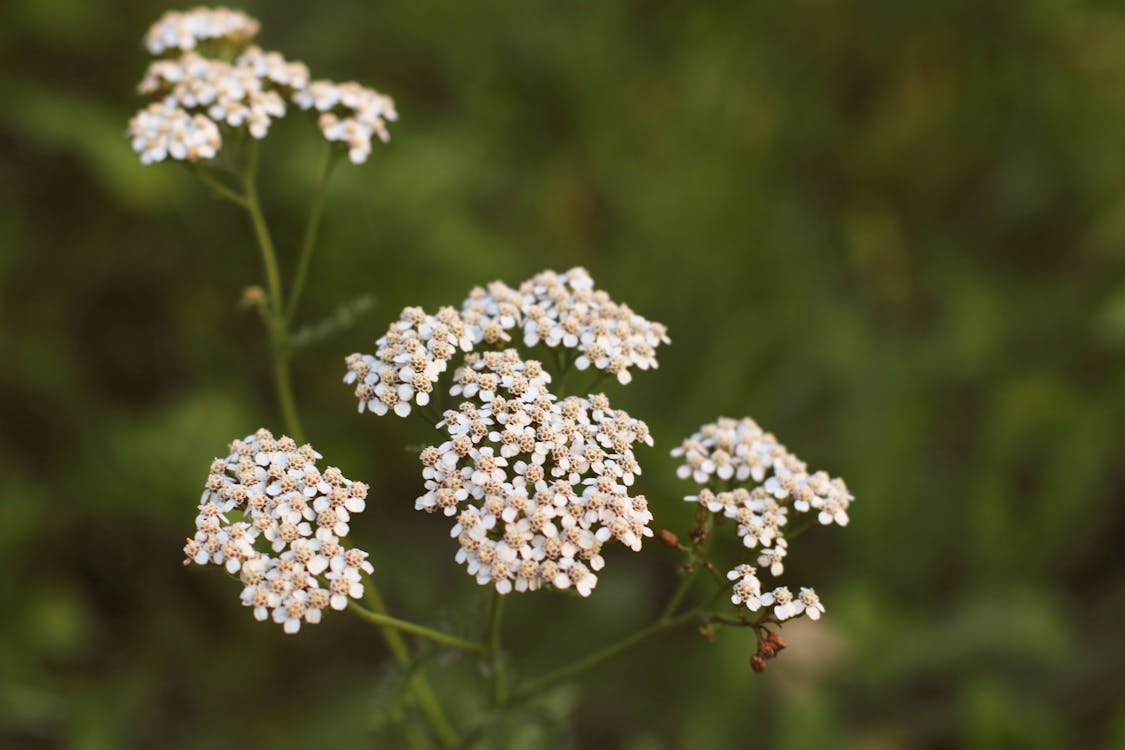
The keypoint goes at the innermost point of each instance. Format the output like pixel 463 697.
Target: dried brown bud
pixel 668 538
pixel 253 296
pixel 757 663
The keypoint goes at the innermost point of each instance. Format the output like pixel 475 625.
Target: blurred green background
pixel 894 233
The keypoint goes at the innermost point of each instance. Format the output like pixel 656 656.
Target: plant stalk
pixel 386 621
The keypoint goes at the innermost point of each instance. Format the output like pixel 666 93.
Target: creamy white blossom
pixel 228 94
pixel 288 551
pixel 160 132
pixel 537 485
pixel 349 113
pixel 408 361
pixel 219 77
pixel 746 475
pixel 184 30
pixel 566 311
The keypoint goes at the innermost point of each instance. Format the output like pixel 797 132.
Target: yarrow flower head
pixel 408 361
pixel 349 113
pixel 218 78
pixel 537 485
pixel 233 95
pixel 566 311
pixel 185 30
pixel 161 132
pixel 288 550
pixel 746 475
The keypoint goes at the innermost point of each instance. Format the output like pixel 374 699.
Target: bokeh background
pixel 894 233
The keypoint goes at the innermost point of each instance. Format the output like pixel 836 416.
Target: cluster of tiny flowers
pixel 296 514
pixel 748 593
pixel 408 361
pixel 349 113
pixel 565 310
pixel 249 92
pixel 159 132
pixel 538 486
pixel 732 453
pixel 184 30
pixel 234 95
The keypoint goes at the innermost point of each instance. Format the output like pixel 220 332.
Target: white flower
pixel 299 510
pixel 407 362
pixel 184 30
pixel 808 603
pixel 234 95
pixel 349 113
pixel 538 486
pixel 747 588
pixel 734 453
pixel 772 557
pixel 161 132
pixel 565 310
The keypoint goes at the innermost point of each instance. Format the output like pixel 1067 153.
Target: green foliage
pixel 894 233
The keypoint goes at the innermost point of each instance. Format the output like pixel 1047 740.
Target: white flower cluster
pixel 732 452
pixel 159 132
pixel 297 513
pixel 538 485
pixel 408 361
pixel 233 95
pixel 183 30
pixel 249 92
pixel 565 310
pixel 748 592
pixel 349 113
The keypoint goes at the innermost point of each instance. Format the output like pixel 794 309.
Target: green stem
pixel 598 658
pixel 696 557
pixel 279 345
pixel 386 621
pixel 423 693
pixel 495 655
pixel 220 188
pixel 278 330
pixel 308 246
pixel 285 396
pixel 677 596
pixel 808 523
pixel 262 232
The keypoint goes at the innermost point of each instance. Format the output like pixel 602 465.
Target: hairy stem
pixel 278 330
pixel 277 326
pixel 495 655
pixel 598 658
pixel 406 626
pixel 308 246
pixel 419 686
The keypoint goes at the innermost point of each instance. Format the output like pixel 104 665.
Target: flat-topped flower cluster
pixel 538 485
pixel 288 548
pixel 746 475
pixel 217 83
pixel 566 311
pixel 538 482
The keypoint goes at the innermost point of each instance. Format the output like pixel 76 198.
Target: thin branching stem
pixel 419 686
pixel 437 636
pixel 277 325
pixel 312 227
pixel 597 658
pixel 495 654
pixel 278 330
